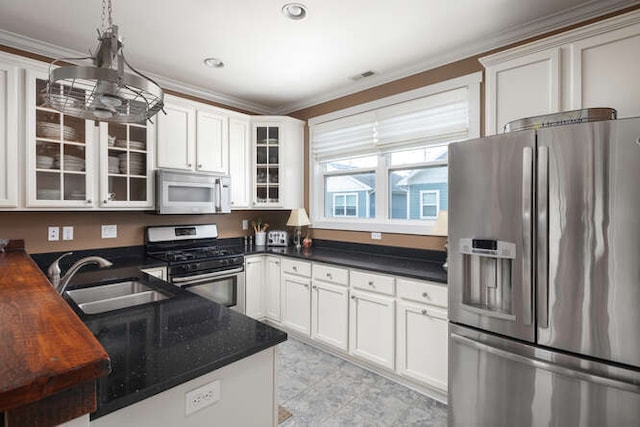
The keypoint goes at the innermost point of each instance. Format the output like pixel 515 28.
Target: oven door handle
pixel 200 277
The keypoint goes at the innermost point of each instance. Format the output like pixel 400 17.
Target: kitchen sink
pixel 103 298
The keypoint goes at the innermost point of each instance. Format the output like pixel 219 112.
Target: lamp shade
pixel 298 218
pixel 441 226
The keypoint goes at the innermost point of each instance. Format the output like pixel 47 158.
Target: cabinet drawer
pixel 373 282
pixel 300 268
pixel 327 273
pixel 423 292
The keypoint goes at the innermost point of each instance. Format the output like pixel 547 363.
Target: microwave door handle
pixel 200 277
pixel 218 195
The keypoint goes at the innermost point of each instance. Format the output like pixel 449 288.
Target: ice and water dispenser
pixel 487 276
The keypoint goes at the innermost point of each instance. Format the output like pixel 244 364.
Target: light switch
pixel 67 232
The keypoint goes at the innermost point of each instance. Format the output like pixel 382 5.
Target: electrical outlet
pixel 202 397
pixel 54 234
pixel 109 231
pixel 67 232
pixel 376 236
pixel 245 224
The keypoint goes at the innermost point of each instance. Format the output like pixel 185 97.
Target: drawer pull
pixel 353 297
pixel 315 287
pixel 329 276
pixel 295 268
pixel 370 283
pixel 306 286
pixel 425 295
pixel 425 312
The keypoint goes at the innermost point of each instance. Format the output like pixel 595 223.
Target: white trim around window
pixel 382 222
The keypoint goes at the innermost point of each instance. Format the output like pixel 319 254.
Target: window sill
pixel 419 227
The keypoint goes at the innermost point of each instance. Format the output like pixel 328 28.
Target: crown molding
pixel 49 50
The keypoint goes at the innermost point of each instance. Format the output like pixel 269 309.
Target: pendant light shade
pixel 109 90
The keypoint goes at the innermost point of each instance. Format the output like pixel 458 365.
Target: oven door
pixel 224 287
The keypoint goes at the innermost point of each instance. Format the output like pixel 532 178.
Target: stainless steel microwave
pixel 182 192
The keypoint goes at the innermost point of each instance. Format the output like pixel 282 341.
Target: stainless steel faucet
pixel 60 283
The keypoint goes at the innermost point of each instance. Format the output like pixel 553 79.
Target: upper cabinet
pixel 9 171
pixel 60 166
pixel 239 160
pixel 278 163
pixel 193 136
pixel 592 66
pixel 126 165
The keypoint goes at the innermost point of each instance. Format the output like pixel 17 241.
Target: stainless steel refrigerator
pixel 544 277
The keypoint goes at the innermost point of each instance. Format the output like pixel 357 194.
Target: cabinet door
pixel 272 308
pixel 296 298
pixel 522 87
pixel 60 164
pixel 330 314
pixel 422 344
pixel 266 157
pixel 604 71
pixel 212 142
pixel 372 328
pixel 239 161
pixel 254 279
pixel 126 165
pixel 176 136
pixel 8 136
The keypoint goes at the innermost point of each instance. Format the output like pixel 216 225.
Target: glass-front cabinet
pixel 126 174
pixel 60 167
pixel 267 165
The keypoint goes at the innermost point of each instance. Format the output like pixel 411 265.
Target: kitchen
pixel 31 223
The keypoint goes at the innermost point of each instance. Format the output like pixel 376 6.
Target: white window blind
pixel 437 118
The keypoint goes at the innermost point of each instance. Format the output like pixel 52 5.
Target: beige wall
pixel 33 226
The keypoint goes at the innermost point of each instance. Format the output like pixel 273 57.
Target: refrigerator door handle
pixel 542 274
pixel 618 383
pixel 527 209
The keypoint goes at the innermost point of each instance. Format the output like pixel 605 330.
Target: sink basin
pixel 102 298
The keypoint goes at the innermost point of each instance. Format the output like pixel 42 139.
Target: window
pixel 345 204
pixel 429 202
pixel 382 166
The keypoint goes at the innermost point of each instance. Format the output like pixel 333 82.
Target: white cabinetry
pixel 296 295
pixel 9 171
pixel 278 163
pixel 371 328
pixel 193 136
pixel 422 332
pixel 239 161
pixel 60 163
pixel 272 309
pixel 591 66
pixel 330 305
pixel 254 280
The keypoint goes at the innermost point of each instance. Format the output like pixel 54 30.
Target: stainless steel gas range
pixel 198 263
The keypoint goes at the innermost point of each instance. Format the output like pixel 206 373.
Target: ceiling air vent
pixel 362 75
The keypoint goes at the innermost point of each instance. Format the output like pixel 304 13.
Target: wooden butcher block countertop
pixel 44 347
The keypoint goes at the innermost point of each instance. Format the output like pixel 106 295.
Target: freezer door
pixel 496 382
pixel 588 252
pixel 490 233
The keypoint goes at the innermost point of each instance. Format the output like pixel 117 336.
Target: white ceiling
pixel 276 65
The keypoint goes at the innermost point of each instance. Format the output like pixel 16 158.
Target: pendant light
pixel 104 91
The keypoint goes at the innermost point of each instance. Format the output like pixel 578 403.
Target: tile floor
pixel 323 390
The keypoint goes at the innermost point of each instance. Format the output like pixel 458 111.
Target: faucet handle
pixel 54 269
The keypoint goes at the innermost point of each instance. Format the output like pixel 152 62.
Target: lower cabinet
pixel 371 328
pixel 296 300
pixel 422 343
pixel 272 299
pixel 254 282
pixel 330 314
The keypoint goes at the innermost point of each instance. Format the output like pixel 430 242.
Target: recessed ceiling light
pixel 213 63
pixel 294 11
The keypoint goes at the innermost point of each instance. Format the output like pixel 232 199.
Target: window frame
pixel 422 204
pixel 382 222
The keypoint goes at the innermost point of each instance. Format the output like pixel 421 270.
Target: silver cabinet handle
pixel 425 295
pixel 424 312
pixel 527 210
pixel 89 201
pixel 542 245
pixel 306 286
pixel 353 297
pixel 329 275
pixel 189 165
pixel 199 166
pixel 104 201
pixel 315 287
pixel 295 268
pixel 277 263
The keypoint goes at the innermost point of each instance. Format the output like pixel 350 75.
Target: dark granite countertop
pixel 417 264
pixel 156 346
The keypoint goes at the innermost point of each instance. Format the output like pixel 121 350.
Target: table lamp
pixel 297 219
